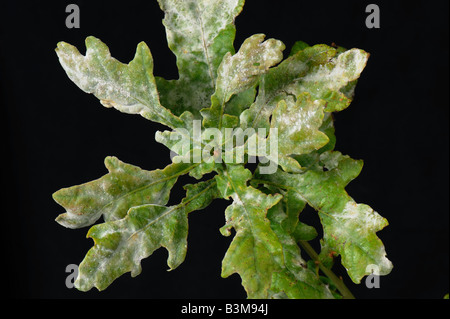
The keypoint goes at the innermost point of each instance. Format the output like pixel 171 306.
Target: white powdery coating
pixel 194 33
pixel 298 125
pixel 364 220
pixel 239 72
pixel 347 67
pixel 193 25
pixel 332 159
pixel 113 90
pixel 305 118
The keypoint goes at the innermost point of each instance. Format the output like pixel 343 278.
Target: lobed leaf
pixel 240 72
pixel 129 88
pixel 121 245
pixel 112 195
pixel 239 102
pixel 299 129
pixel 245 90
pixel 263 252
pixel 293 276
pixel 199 33
pixel 318 70
pixel 187 146
pixel 298 125
pixel 334 82
pixel 255 250
pixel 349 228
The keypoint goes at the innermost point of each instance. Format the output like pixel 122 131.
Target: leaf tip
pixel 57 196
pixel 60 220
pixel 112 163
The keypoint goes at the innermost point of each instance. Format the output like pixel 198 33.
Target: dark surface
pixel 57 136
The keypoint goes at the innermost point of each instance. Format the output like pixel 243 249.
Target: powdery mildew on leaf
pixel 112 195
pixel 199 33
pixel 329 80
pixel 299 125
pixel 240 72
pixel 130 88
pixel 349 228
pixel 218 88
pixel 255 251
pixel 121 245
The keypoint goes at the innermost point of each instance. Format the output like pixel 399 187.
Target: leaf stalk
pixel 346 293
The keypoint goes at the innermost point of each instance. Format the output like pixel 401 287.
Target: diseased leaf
pixel 187 146
pixel 293 277
pixel 225 110
pixel 298 125
pixel 311 160
pixel 130 88
pixel 255 251
pixel 240 72
pixel 274 86
pixel 199 33
pixel 121 245
pixel 334 81
pixel 183 140
pixel 296 128
pixel 328 129
pixel 112 195
pixel 349 228
pixel 318 70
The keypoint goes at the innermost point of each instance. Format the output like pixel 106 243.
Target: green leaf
pixel 328 129
pixel 298 46
pixel 240 72
pixel 292 206
pixel 187 146
pixel 311 160
pixel 293 277
pixel 327 255
pixel 306 285
pixel 217 90
pixel 263 253
pixel 304 232
pixel 239 102
pixel 199 33
pixel 255 250
pixel 334 82
pixel 113 194
pixel 318 70
pixel 298 125
pixel 129 88
pixel 296 129
pixel 121 245
pixel 349 228
pixel 275 84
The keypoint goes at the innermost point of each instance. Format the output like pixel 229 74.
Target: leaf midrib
pixel 147 186
pixel 205 46
pixel 123 243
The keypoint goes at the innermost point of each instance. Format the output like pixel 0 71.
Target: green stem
pixel 337 282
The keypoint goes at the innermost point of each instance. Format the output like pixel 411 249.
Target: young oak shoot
pixel 246 91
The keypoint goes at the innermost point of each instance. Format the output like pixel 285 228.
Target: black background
pixel 56 136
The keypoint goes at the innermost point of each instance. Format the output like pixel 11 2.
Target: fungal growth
pixel 228 109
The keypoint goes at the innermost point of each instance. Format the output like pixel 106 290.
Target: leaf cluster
pixel 252 88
